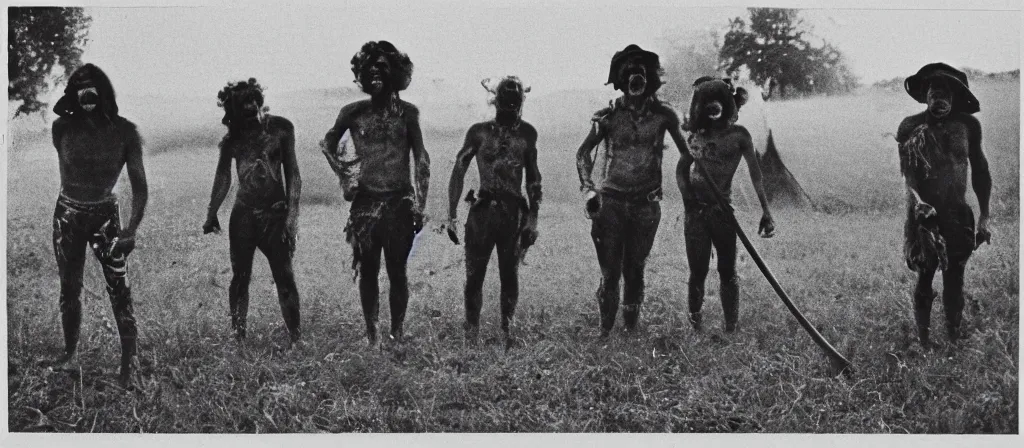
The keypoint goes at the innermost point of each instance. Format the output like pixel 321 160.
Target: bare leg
pixel 369 292
pixel 242 242
pixel 606 231
pixel 508 270
pixel 69 250
pixel 478 250
pixel 115 272
pixel 698 257
pixel 923 297
pixel 639 240
pixel 953 297
pixel 723 237
pixel 396 256
pixel 277 252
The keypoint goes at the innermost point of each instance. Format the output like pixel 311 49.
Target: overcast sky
pixel 551 45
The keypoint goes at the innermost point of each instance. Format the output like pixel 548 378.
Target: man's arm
pixel 534 192
pixel 685 159
pixel 57 132
pixel 584 159
pixel 767 225
pixel 221 185
pixel 421 159
pixel 293 181
pixel 329 144
pixel 462 160
pixel 137 178
pixel 981 178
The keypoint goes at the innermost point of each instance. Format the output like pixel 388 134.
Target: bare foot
pixel 128 376
pixel 68 362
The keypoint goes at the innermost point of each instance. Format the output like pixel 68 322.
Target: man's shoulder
pixel 739 131
pixel 968 120
pixel 408 107
pixel 908 124
pixel 665 109
pixel 527 129
pixel 355 107
pixel 279 123
pixel 60 123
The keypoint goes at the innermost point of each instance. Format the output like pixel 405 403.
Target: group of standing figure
pixel 95 143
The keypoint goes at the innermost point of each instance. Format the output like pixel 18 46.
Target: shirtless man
pixel 94 144
pixel 936 149
pixel 499 215
pixel 387 212
pixel 625 209
pixel 266 211
pixel 719 144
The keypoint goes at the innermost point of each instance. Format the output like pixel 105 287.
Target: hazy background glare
pixel 179 51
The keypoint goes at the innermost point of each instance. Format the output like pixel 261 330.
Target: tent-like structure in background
pixel 780 186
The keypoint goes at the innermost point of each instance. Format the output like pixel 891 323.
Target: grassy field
pixel 842 266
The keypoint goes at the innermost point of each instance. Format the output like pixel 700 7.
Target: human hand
pixel 593 204
pixel 767 227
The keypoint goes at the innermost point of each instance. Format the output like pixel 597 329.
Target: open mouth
pixel 88 99
pixel 377 83
pixel 714 111
pixel 637 84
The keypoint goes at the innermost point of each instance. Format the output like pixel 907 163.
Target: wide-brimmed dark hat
pixel 650 59
pixel 963 99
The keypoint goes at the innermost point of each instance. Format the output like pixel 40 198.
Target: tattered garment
pixel 924 247
pixel 387 213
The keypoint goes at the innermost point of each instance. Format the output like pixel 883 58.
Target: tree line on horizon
pixel 773 48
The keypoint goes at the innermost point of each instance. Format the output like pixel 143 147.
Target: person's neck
pixel 384 100
pixel 248 126
pixel 930 118
pixel 506 118
pixel 637 102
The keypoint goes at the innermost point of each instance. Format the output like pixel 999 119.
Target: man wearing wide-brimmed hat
pixel 936 149
pixel 624 206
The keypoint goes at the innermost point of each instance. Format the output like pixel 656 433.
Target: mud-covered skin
pixel 624 209
pixel 93 147
pixel 385 133
pixel 265 212
pixel 385 136
pixel 938 195
pixel 505 149
pixel 719 144
pixel 384 130
pixel 635 139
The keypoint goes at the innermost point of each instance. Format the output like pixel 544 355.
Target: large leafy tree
pixel 38 40
pixel 776 50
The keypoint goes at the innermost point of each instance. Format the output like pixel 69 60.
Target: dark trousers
pixel 706 227
pixel 623 232
pixel 494 221
pixel 266 230
pixel 382 223
pixel 76 225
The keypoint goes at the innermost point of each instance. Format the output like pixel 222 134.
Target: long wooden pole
pixel 839 362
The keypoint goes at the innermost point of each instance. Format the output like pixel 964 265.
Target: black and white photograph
pixel 726 223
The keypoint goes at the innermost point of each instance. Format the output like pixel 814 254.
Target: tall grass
pixel 844 270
